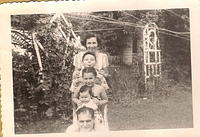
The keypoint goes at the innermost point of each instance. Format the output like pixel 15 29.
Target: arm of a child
pixel 104 98
pixel 104 72
pixel 75 81
pixel 76 74
pixel 75 98
pixel 105 65
pixel 77 62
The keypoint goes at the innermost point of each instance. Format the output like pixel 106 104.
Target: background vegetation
pixel 51 99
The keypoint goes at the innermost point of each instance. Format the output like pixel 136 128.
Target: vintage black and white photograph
pixel 101 71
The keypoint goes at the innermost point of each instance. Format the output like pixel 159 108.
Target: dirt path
pixel 173 112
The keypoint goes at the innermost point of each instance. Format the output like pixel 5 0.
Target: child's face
pixel 91 43
pixel 89 79
pixel 85 97
pixel 89 61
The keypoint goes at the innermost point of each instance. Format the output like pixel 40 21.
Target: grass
pixel 44 126
pixel 174 111
pixel 171 107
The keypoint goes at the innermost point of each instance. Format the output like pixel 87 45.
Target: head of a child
pixel 89 75
pixel 85 94
pixel 89 59
pixel 91 42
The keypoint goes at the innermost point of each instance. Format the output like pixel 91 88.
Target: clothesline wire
pixel 174 32
pixel 174 35
pixel 131 15
pixel 96 17
pixel 107 21
pixel 128 23
pixel 121 28
pixel 159 28
pixel 125 23
pixel 99 29
pixel 176 14
pixel 102 18
pixel 135 26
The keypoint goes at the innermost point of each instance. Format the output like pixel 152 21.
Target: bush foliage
pixel 38 96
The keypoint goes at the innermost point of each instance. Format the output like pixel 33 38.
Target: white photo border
pixel 98 5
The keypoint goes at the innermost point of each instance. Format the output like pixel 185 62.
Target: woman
pixel 91 42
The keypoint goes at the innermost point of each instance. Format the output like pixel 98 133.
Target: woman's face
pixel 89 61
pixel 91 43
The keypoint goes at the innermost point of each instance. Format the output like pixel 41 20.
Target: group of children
pixel 89 85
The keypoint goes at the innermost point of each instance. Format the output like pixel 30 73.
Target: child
pixel 85 97
pixel 89 75
pixel 88 60
pixel 91 42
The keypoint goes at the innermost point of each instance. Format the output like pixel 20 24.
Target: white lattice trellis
pixel 152 52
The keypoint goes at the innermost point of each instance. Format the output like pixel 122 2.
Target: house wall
pixel 129 55
pixel 127 50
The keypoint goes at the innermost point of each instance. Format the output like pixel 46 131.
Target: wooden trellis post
pixel 35 44
pixel 152 54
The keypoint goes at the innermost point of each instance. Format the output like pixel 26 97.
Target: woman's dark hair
pixel 84 89
pixel 88 36
pixel 89 70
pixel 89 53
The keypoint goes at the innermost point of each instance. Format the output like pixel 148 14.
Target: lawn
pixel 163 112
pixel 174 111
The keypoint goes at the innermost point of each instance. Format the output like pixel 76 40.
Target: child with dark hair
pixel 86 99
pixel 91 70
pixel 89 60
pixel 89 75
pixel 92 42
pixel 85 96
